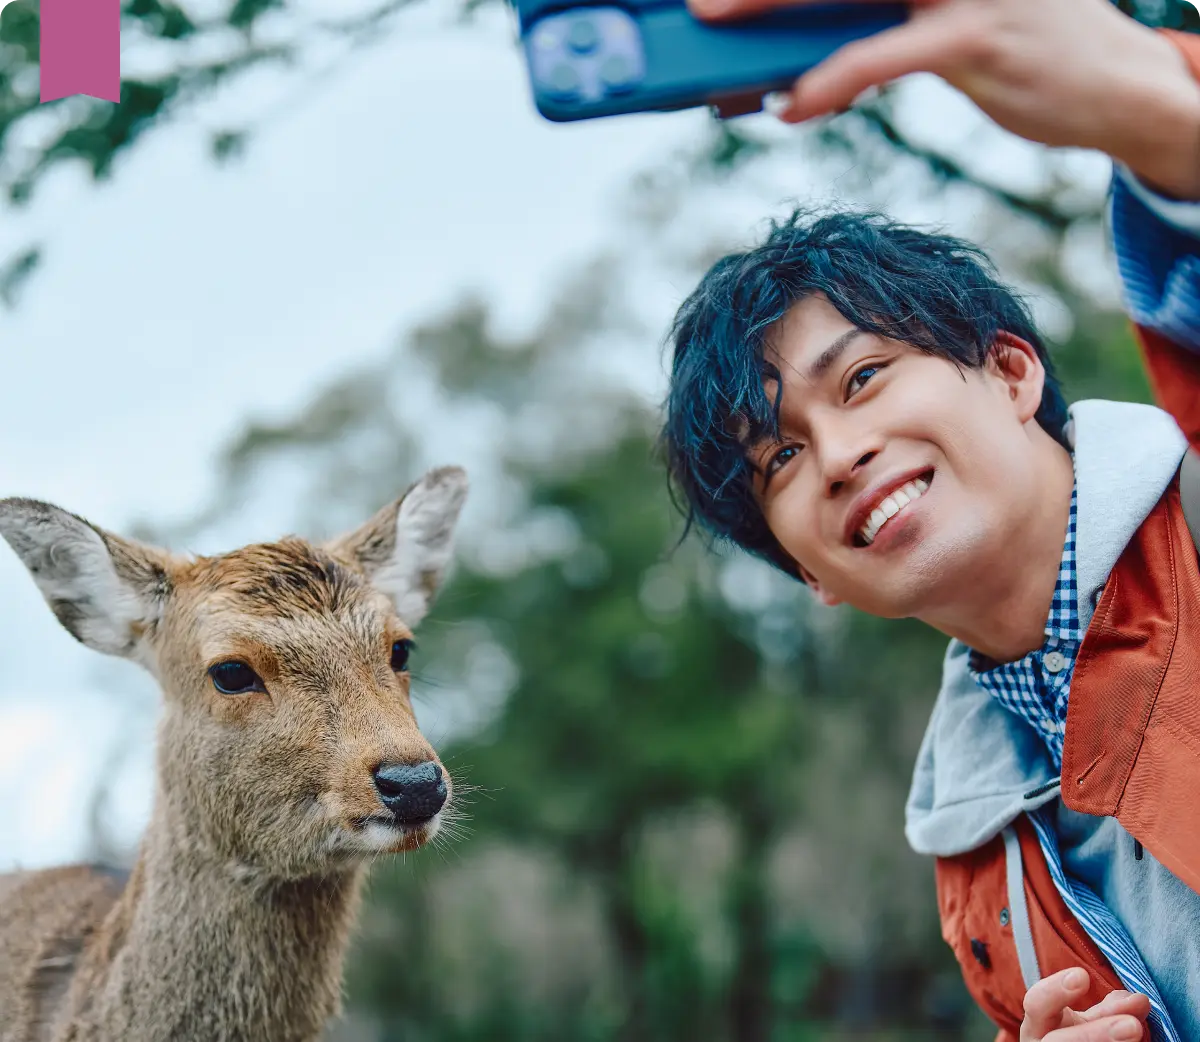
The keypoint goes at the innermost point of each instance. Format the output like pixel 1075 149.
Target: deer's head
pixel 288 744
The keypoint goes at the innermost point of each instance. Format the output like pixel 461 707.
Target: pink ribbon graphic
pixel 81 49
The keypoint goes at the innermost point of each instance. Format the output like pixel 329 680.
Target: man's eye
pixel 861 376
pixel 782 457
pixel 235 678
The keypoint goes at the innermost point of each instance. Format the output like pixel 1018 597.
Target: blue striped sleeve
pixel 1104 928
pixel 1157 243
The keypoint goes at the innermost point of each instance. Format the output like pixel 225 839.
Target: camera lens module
pixel 584 56
pixel 617 73
pixel 583 37
pixel 563 81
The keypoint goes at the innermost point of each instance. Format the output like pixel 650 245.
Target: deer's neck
pixel 204 951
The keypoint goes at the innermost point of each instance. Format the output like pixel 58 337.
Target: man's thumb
pixel 1047 1000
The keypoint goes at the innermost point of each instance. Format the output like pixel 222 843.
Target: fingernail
pixel 1120 994
pixel 777 102
pixel 1076 980
pixel 1126 1030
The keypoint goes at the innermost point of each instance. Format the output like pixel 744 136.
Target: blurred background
pixel 320 247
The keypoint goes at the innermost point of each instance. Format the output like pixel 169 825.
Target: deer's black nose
pixel 414 793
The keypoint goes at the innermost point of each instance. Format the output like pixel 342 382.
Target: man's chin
pixel 909 587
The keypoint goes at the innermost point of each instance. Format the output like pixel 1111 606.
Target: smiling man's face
pixel 899 480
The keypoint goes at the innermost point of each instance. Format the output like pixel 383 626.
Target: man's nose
pixel 843 446
pixel 840 467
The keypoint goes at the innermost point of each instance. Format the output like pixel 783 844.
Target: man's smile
pixel 876 506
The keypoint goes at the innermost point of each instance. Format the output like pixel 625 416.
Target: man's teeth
pixel 891 506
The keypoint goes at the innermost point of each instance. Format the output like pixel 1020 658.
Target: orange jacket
pixel 1132 740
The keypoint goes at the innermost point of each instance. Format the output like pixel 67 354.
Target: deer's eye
pixel 235 678
pixel 400 652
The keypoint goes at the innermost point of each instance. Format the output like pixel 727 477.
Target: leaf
pixel 228 145
pixel 16 271
pixel 246 12
pixel 166 21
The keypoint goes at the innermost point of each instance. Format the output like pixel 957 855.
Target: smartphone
pixel 603 59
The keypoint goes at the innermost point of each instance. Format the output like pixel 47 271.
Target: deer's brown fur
pixel 233 925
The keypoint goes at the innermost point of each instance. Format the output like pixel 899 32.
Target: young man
pixel 868 408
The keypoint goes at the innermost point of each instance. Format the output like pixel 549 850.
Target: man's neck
pixel 1005 616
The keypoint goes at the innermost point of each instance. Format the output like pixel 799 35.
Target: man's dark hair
pixel 937 293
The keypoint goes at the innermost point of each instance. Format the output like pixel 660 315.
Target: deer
pixel 287 759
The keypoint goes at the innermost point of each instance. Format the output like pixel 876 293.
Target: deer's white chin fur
pixel 379 837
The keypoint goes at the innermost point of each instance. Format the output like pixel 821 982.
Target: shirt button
pixel 1055 661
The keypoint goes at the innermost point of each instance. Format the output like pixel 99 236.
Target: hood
pixel 979 765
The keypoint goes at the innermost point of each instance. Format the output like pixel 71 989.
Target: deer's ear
pixel 405 549
pixel 107 592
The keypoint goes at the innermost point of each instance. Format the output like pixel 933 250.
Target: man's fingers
pixel 1107 1029
pixel 919 46
pixel 722 10
pixel 1047 999
pixel 1118 1002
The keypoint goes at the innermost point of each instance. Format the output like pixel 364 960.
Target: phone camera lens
pixel 563 80
pixel 617 73
pixel 583 36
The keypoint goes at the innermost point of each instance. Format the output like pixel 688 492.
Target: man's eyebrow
pixel 831 354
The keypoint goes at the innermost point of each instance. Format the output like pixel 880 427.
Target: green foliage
pixel 244 13
pixel 105 132
pixel 165 21
pixel 96 133
pixel 228 145
pixel 14 273
pixel 729 147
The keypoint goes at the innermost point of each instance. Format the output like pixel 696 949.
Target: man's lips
pixel 871 497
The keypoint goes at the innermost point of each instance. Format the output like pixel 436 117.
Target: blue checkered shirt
pixel 1036 688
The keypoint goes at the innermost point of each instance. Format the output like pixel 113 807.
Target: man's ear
pixel 405 549
pixel 1016 362
pixel 823 595
pixel 107 592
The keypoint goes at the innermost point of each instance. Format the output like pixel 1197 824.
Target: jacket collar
pixel 979 765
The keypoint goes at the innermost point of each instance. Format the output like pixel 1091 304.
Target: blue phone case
pixel 602 59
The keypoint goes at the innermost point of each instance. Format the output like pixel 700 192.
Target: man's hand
pixel 1061 72
pixel 1119 1017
